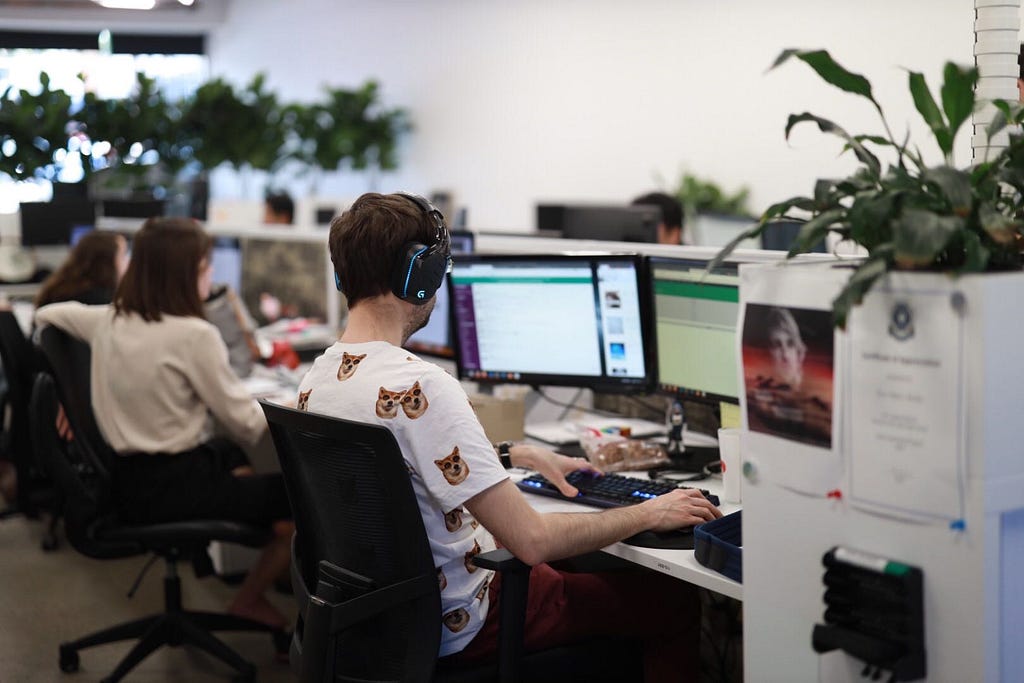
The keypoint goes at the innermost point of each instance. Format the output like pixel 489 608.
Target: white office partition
pixel 922 465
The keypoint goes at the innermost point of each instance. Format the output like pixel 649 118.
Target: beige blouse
pixel 155 384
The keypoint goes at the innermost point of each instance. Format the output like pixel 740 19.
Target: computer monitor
pixel 133 208
pixel 435 339
pixel 290 271
pixel 572 320
pixel 227 262
pixel 51 223
pixel 614 223
pixel 695 317
pixel 780 236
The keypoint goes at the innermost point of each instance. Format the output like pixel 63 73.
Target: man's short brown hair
pixel 366 242
pixel 163 274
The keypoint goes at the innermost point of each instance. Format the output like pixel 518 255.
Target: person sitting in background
pixel 670 230
pixel 159 370
pixel 91 272
pixel 278 209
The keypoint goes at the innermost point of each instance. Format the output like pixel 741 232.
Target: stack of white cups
pixel 996 46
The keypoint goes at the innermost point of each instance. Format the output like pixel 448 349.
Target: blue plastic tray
pixel 718 545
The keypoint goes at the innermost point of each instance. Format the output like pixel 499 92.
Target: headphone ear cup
pixel 337 281
pixel 418 274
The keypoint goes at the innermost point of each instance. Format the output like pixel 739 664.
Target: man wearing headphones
pixel 390 254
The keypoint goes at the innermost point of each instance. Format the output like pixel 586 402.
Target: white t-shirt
pixel 448 455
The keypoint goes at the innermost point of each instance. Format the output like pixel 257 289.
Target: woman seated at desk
pixel 91 272
pixel 159 369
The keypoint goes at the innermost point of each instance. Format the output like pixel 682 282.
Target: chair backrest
pixel 80 485
pixel 19 367
pixel 354 506
pixel 70 362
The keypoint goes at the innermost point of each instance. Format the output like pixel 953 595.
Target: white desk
pixel 678 563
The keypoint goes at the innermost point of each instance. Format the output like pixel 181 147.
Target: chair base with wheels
pixel 176 626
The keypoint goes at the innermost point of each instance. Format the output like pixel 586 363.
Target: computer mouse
pixel 677 539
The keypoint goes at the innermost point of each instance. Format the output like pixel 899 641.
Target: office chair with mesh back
pixel 36 493
pixel 94 529
pixel 364 576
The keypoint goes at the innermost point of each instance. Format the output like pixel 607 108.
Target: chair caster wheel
pixel 49 544
pixel 68 659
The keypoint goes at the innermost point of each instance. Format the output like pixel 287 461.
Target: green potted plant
pixel 347 128
pixel 910 215
pixel 32 129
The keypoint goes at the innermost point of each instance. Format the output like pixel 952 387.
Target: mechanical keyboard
pixel 605 491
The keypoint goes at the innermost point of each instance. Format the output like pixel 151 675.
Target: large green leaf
pixel 830 70
pixel 918 236
pixel 955 186
pixel 958 94
pixel 925 104
pixel 869 217
pixel 976 255
pixel 814 231
pixel 859 283
pixel 826 126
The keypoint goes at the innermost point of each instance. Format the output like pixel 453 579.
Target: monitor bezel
pixel 683 393
pixel 603 384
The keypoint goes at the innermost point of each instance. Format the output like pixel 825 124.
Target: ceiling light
pixel 126 4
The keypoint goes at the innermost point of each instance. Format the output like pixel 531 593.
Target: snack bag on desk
pixel 613 452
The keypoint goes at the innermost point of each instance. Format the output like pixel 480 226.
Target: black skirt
pixel 152 488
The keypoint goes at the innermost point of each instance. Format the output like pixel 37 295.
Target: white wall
pixel 521 100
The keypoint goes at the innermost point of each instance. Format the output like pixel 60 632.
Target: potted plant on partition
pixel 884 391
pixel 911 216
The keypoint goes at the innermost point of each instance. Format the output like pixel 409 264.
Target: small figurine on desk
pixel 677 423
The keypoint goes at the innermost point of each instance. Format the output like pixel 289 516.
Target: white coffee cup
pixel 729 447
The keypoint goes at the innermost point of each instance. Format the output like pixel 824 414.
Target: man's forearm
pixel 568 534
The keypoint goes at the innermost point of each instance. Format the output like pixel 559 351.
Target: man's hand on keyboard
pixel 552 465
pixel 679 508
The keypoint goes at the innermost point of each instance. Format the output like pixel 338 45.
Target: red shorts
pixel 565 607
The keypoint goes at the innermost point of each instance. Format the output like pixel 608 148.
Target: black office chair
pixel 36 493
pixel 364 576
pixel 94 529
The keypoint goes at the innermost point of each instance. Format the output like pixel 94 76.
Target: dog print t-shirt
pixel 449 457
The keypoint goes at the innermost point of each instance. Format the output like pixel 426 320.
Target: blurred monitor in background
pixel 51 223
pixel 284 279
pixel 609 223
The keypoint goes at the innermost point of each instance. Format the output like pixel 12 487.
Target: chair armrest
pixel 515 586
pixel 501 560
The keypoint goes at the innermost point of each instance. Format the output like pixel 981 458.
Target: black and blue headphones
pixel 420 269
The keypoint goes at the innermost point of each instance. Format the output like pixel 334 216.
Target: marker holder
pixel 874 611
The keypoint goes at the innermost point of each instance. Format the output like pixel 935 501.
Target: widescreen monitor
pixel 614 223
pixel 695 314
pixel 435 339
pixel 52 223
pixel 569 320
pixel 133 208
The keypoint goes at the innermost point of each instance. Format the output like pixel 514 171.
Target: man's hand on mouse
pixel 552 465
pixel 679 508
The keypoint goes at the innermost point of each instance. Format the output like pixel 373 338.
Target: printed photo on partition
pixel 787 372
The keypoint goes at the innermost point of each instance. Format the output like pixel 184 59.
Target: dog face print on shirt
pixel 453 519
pixel 453 468
pixel 470 567
pixel 387 403
pixel 414 402
pixel 349 365
pixel 303 403
pixel 457 620
pixel 442 581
